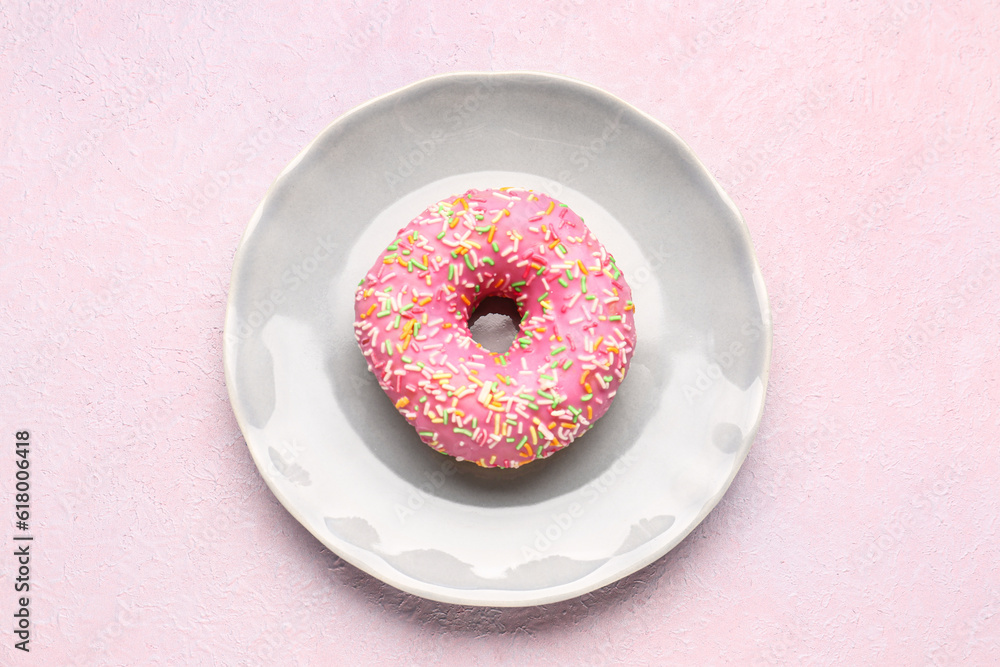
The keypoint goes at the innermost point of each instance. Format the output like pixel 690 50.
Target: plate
pixel 338 456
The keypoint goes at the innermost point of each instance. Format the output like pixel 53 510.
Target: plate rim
pixel 487 597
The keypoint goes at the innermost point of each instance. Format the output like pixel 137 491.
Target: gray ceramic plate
pixel 341 459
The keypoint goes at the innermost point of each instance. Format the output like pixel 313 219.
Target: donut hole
pixel 495 323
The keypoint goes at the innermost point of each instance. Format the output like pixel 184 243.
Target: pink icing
pixel 576 337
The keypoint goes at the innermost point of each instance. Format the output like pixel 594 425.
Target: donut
pixel 572 351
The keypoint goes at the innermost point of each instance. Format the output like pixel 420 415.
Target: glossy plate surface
pixel 341 459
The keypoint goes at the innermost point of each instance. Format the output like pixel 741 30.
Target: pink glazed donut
pixel 575 340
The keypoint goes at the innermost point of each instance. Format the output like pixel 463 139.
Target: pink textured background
pixel 861 144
